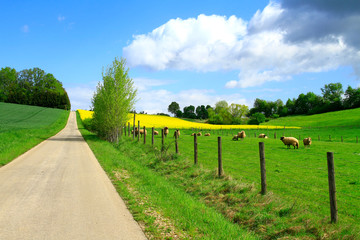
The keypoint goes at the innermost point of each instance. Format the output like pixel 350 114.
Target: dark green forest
pixel 32 87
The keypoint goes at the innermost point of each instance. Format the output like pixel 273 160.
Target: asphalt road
pixel 58 190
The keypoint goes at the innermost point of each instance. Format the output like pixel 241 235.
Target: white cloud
pixel 142 84
pixel 268 48
pixel 61 18
pixel 25 29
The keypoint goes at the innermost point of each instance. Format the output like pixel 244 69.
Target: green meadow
pixel 23 127
pixel 297 203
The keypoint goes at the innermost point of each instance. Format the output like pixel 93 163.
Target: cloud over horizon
pixel 282 40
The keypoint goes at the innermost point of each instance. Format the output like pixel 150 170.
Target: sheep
pixel 166 131
pixel 177 133
pixel 290 141
pixel 235 138
pixel 156 132
pixel 142 132
pixel 193 134
pixel 207 134
pixel 262 135
pixel 199 134
pixel 241 134
pixel 307 141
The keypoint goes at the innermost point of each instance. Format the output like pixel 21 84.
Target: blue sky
pixel 191 52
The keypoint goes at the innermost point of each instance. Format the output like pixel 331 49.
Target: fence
pixel 263 182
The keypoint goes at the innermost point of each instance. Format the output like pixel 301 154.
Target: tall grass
pixel 22 127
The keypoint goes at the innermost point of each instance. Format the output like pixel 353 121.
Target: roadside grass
pixel 165 210
pixel 23 127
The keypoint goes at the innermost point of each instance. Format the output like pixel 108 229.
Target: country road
pixel 58 190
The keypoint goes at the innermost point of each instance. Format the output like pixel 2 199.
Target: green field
pixel 297 176
pixel 22 127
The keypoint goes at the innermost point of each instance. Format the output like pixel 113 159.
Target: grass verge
pixel 165 210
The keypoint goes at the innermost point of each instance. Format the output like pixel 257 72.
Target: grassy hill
pixel 349 117
pixel 22 127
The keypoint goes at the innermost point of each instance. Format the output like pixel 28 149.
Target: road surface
pixel 58 190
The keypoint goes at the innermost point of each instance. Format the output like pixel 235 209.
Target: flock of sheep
pixel 241 135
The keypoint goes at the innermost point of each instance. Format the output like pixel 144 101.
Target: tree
pixel 220 105
pixel 113 99
pixel 189 112
pixel 332 96
pixel 237 112
pixel 201 112
pixel 173 107
pixel 352 97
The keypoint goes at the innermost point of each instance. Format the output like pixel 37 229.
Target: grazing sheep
pixel 290 141
pixel 235 137
pixel 199 134
pixel 193 134
pixel 156 132
pixel 142 132
pixel 207 134
pixel 177 133
pixel 136 131
pixel 307 141
pixel 262 135
pixel 166 131
pixel 241 134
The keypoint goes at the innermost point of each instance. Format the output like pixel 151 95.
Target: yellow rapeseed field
pixel 158 121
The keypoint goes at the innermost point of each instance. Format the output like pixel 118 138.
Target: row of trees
pixel 333 99
pixel 222 113
pixel 32 87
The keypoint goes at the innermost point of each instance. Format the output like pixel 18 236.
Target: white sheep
pixel 307 141
pixel 262 135
pixel 290 141
pixel 166 131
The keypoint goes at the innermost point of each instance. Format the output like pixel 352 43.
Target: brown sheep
pixel 142 132
pixel 290 141
pixel 307 142
pixel 199 134
pixel 235 138
pixel 166 131
pixel 241 134
pixel 193 134
pixel 156 132
pixel 177 133
pixel 207 134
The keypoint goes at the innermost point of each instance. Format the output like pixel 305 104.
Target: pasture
pixel 22 127
pixel 296 178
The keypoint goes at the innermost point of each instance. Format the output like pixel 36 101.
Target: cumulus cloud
pixel 282 40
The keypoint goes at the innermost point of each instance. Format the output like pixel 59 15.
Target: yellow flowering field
pixel 159 121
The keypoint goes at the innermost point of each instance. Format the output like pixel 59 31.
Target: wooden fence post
pixel 152 136
pixel 262 167
pixel 357 140
pixel 162 140
pixel 220 166
pixel 330 138
pixel 176 143
pixel 138 131
pixel 275 135
pixel 195 150
pixel 319 137
pixel 332 187
pixel 134 128
pixel 124 129
pixel 342 139
pixel 144 135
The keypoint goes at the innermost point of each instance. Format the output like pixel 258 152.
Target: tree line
pixel 333 98
pixel 32 87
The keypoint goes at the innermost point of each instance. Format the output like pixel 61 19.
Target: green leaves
pixel 114 98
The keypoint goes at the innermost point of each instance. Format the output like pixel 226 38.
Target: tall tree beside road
pixel 114 98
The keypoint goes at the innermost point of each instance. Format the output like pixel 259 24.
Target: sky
pixel 191 52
